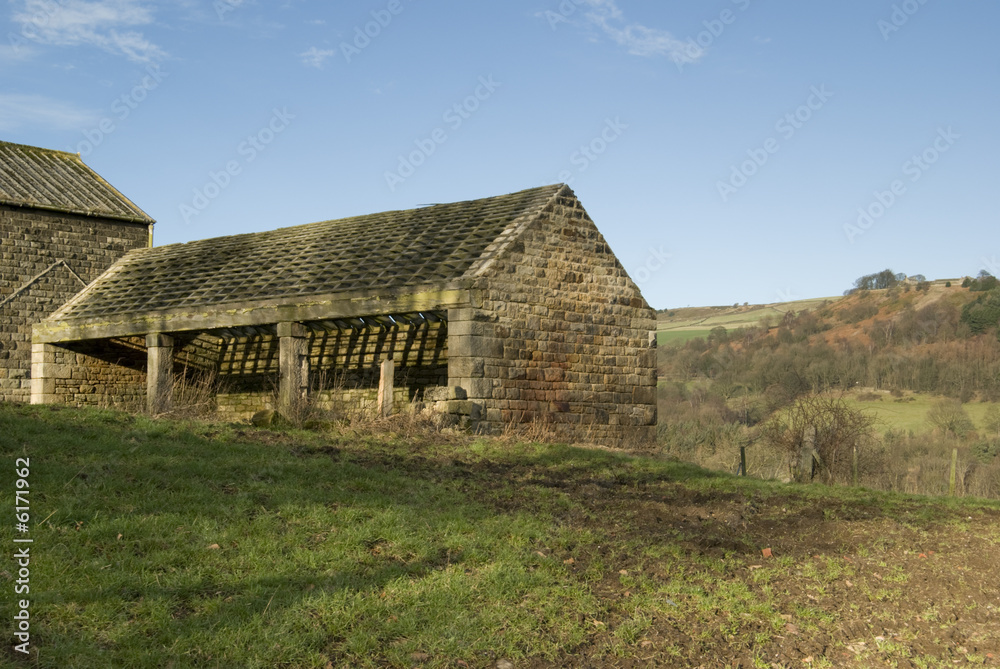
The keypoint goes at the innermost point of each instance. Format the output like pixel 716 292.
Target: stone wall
pixel 563 337
pixel 45 259
pixel 108 373
pixel 558 334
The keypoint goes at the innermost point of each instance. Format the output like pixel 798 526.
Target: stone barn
pixel 504 310
pixel 61 225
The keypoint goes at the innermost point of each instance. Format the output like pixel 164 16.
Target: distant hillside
pixel 880 314
pixel 676 326
pixel 914 368
pixel 937 338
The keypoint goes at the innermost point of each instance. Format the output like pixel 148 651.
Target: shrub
pixel 718 335
pixel 858 312
pixel 992 421
pixel 840 431
pixel 950 417
pixel 983 313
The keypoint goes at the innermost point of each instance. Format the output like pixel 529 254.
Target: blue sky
pixel 729 150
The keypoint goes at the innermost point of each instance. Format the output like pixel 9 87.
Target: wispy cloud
pixel 18 111
pixel 638 39
pixel 105 24
pixel 314 57
pixel 14 52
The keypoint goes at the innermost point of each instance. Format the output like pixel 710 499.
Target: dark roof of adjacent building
pixel 370 253
pixel 60 181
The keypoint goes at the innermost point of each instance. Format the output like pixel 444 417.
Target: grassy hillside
pixel 896 353
pixel 909 413
pixel 680 325
pixel 172 544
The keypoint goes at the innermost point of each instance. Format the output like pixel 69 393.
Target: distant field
pixel 685 324
pixel 912 415
pixel 667 337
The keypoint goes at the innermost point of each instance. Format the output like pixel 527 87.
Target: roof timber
pixel 407 304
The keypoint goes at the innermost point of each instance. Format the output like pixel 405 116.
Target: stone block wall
pixel 45 259
pixel 108 373
pixel 563 337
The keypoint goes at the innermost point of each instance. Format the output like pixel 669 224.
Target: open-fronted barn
pixel 61 225
pixel 495 311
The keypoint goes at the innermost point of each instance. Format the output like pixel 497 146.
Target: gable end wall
pixel 562 337
pixel 31 241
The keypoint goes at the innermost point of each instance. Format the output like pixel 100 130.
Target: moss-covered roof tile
pixel 364 253
pixel 60 181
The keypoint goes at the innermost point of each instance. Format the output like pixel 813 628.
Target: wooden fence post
pixel 854 466
pixel 954 471
pixel 385 388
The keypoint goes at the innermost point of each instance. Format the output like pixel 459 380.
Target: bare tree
pixel 821 435
pixel 950 417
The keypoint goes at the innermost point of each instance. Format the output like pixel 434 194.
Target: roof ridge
pixel 374 252
pixel 512 232
pixel 48 179
pixel 557 188
pixel 40 148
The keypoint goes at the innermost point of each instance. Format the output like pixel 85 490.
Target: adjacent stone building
pixel 505 310
pixel 61 225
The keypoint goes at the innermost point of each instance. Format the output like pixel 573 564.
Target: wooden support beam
pixel 385 388
pixel 159 373
pixel 293 361
pixel 409 299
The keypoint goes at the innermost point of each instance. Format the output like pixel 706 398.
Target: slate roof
pixel 60 181
pixel 366 253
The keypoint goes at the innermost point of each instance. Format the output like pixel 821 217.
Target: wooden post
pixel 159 373
pixel 293 361
pixel 385 388
pixel 954 471
pixel 743 460
pixel 808 455
pixel 854 466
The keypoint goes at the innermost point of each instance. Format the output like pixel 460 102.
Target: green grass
pixel 677 337
pixel 191 542
pixel 911 415
pixel 185 544
pixel 703 319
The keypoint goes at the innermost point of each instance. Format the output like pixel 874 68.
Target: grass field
pixel 174 544
pixel 674 337
pixel 687 323
pixel 911 414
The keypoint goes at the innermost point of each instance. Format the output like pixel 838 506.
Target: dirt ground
pixel 756 574
pixel 854 586
pixel 848 583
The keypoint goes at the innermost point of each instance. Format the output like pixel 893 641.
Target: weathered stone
pixel 48 253
pixel 263 418
pixel 474 410
pixel 544 325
